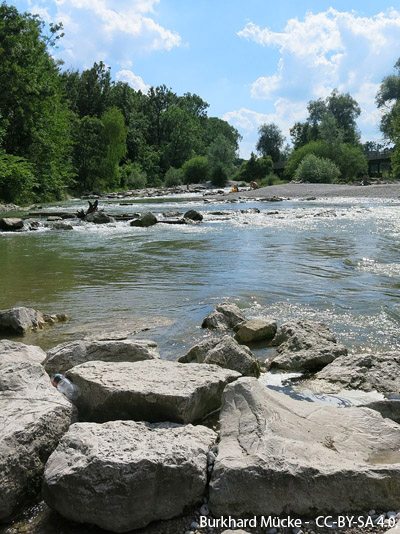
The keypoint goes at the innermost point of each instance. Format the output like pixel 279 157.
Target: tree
pixel 301 134
pixel 270 141
pixel 16 179
pixel 132 176
pixel 221 153
pixel 180 132
pixel 317 170
pixel 387 99
pixel 219 175
pixel 115 141
pixel 255 168
pixel 173 177
pixel 196 170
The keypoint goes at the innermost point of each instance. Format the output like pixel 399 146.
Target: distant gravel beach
pixel 321 191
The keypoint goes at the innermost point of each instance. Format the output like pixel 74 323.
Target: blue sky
pixel 253 61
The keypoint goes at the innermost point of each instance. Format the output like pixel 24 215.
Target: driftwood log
pixel 91 209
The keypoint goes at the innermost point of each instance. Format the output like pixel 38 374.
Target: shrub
pixel 132 176
pixel 173 177
pixel 196 170
pixel 271 179
pixel 16 179
pixel 317 170
pixel 219 176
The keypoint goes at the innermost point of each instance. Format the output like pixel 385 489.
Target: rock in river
pixel 8 224
pixel 33 417
pixel 193 215
pixel 20 321
pixel 145 220
pixel 152 390
pixel 224 317
pixel 226 353
pixel 67 355
pixel 263 329
pixel 305 346
pixel 278 456
pixel 99 217
pixel 122 475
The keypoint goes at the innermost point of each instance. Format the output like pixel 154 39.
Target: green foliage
pixel 132 176
pixel 270 141
pixel 317 170
pixel 115 140
pixel 221 155
pixel 255 169
pixel 16 179
pixel 173 177
pixel 219 175
pixel 196 170
pixel 270 179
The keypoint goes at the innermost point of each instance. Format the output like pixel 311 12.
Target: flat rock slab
pixel 368 372
pixel 153 390
pixel 263 329
pixel 12 351
pixel 226 353
pixel 305 346
pixel 67 355
pixel 33 417
pixel 278 455
pixel 122 475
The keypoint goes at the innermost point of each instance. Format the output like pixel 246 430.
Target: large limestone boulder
pixel 193 215
pixel 226 353
pixel 67 355
pixel 278 455
pixel 263 329
pixel 224 317
pixel 145 220
pixel 122 475
pixel 11 351
pixel 152 390
pixel 8 224
pixel 19 321
pixel 33 417
pixel 368 372
pixel 98 217
pixel 305 346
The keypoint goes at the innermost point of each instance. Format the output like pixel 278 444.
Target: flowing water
pixel 335 261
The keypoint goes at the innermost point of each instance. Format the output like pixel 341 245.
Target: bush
pixel 196 170
pixel 173 177
pixel 219 177
pixel 16 179
pixel 132 176
pixel 271 179
pixel 317 170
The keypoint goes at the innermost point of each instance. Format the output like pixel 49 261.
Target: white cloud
pixel 136 82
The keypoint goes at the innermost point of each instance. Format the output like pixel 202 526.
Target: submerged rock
pixel 226 353
pixel 98 217
pixel 278 455
pixel 20 321
pixel 123 475
pixel 193 215
pixel 224 317
pixel 153 390
pixel 145 220
pixel 8 224
pixel 12 351
pixel 62 226
pixel 67 355
pixel 263 329
pixel 305 346
pixel 33 417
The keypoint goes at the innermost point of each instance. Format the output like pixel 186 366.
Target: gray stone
pixel 305 346
pixel 147 219
pixel 235 532
pixel 98 217
pixel 262 329
pixel 122 475
pixel 226 353
pixel 20 321
pixel 11 351
pixel 54 218
pixel 278 455
pixel 171 213
pixel 67 355
pixel 388 408
pixel 33 417
pixel 224 317
pixel 193 215
pixel 8 224
pixel 62 226
pixel 152 390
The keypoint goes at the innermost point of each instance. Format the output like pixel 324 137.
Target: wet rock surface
pixel 145 220
pixel 263 329
pixel 98 217
pixel 122 475
pixel 10 224
pixel 20 321
pixel 153 390
pixel 225 316
pixel 67 355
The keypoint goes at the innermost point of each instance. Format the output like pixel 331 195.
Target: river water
pixel 335 261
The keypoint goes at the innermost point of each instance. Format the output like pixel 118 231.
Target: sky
pixel 253 61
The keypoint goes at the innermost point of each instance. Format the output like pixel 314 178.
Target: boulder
pixel 98 217
pixel 122 475
pixel 8 224
pixel 263 329
pixel 54 218
pixel 278 456
pixel 388 408
pixel 226 353
pixel 193 215
pixel 305 346
pixel 171 214
pixel 152 390
pixel 19 321
pixel 224 317
pixel 62 226
pixel 33 417
pixel 368 372
pixel 11 351
pixel 145 220
pixel 67 355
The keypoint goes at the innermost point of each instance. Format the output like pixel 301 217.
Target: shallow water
pixel 336 261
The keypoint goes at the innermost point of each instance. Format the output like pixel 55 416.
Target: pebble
pixel 371 512
pixel 391 514
pixel 194 524
pixel 204 510
pixel 380 518
pixel 211 457
pixel 272 531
